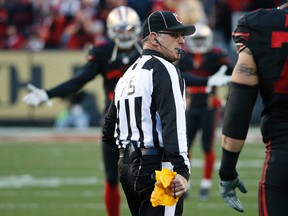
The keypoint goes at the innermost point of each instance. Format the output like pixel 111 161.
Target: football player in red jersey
pixel 261 39
pixel 110 60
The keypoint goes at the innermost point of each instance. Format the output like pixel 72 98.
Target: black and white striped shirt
pixel 149 107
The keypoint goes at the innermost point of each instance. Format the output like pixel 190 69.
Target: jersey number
pixel 131 87
pixel 281 86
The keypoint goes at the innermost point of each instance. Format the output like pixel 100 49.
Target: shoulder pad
pixel 261 19
pixel 242 32
pixel 101 52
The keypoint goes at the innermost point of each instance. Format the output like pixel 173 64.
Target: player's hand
pixel 228 193
pixel 218 79
pixel 36 96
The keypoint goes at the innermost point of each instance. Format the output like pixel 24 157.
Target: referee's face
pixel 169 41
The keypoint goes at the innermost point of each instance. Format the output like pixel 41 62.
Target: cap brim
pixel 187 29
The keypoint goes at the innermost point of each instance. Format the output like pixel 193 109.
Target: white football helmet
pixel 201 41
pixel 123 26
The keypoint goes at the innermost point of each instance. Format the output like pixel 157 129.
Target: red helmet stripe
pixel 123 13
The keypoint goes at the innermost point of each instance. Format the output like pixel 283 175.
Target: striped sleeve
pixel 170 102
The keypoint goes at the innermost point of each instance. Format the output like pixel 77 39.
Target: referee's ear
pixel 153 39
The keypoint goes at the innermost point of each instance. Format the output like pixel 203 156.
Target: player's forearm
pixel 76 83
pixel 231 149
pixel 65 89
pixel 192 80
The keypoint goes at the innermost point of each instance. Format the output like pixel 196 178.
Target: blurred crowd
pixel 75 24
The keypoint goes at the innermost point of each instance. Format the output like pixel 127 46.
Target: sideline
pixel 91 134
pixel 44 135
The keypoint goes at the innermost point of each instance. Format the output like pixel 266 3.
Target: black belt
pixel 146 151
pixel 138 152
pixel 151 151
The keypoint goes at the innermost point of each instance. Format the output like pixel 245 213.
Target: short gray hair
pixel 145 39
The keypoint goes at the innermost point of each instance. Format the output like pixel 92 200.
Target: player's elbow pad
pixel 238 110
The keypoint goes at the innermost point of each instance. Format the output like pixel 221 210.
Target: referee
pixel 146 118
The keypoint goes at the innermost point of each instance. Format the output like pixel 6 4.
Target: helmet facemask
pixel 201 41
pixel 123 27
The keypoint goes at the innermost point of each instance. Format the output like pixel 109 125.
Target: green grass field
pixel 67 179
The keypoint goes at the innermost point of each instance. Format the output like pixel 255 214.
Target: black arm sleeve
pixel 239 107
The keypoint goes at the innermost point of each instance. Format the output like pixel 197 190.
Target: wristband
pixel 227 171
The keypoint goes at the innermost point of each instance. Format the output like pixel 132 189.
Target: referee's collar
pixel 152 52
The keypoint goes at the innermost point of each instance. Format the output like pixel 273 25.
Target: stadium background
pixel 44 69
pixel 40 43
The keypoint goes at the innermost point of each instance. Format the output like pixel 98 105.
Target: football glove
pixel 36 96
pixel 218 79
pixel 228 193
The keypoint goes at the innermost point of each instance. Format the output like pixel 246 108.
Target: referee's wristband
pixel 227 171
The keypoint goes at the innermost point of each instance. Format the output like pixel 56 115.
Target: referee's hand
pixel 178 186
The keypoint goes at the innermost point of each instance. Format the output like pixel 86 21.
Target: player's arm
pixel 38 96
pixel 109 125
pixel 218 79
pixel 244 87
pixel 73 85
pixel 95 58
pixel 242 96
pixel 192 80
